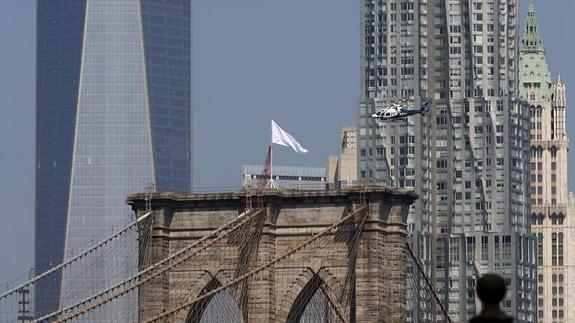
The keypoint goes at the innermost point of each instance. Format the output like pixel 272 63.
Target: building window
pixel 507 247
pixel 484 247
pixel 540 249
pixel 454 249
pixel 553 153
pixel 554 249
pixel 496 248
pixel 560 248
pixel 470 248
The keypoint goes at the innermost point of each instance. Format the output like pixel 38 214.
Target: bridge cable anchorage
pixel 261 268
pixel 169 262
pixel 428 283
pixel 75 258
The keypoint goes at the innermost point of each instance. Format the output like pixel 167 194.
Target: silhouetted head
pixel 491 289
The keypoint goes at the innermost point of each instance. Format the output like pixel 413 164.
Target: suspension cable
pixel 231 225
pixel 75 258
pixel 428 283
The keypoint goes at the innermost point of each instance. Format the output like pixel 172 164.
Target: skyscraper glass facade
pixel 468 157
pixel 113 116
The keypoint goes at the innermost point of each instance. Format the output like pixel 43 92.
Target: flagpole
pixel 271 157
pixel 281 137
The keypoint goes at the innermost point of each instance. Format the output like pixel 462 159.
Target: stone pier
pixel 280 292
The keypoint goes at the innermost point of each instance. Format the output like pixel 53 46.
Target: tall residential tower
pixel 113 115
pixel 468 157
pixel 550 217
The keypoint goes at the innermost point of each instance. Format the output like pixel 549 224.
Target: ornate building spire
pixel 534 77
pixel 531 40
pixel 559 105
pixel 559 92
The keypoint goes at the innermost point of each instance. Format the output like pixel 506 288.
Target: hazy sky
pixel 296 61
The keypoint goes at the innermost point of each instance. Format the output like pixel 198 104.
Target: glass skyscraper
pixel 113 115
pixel 468 158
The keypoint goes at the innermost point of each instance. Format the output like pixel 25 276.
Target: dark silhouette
pixel 491 291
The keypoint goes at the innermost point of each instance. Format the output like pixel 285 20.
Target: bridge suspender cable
pixel 428 283
pixel 231 225
pixel 75 258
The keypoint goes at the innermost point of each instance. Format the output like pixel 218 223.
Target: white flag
pixel 281 137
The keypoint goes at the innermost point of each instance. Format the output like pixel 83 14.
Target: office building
pixel 341 170
pixel 290 177
pixel 550 215
pixel 569 283
pixel 468 156
pixel 113 115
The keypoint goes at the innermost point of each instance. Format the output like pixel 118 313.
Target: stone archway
pixel 221 307
pixel 311 305
pixel 295 287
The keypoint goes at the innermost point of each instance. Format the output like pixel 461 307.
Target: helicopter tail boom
pixel 424 107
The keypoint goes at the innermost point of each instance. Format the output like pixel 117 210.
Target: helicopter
pixel 398 111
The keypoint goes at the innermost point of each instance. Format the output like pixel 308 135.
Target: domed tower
pixel 534 77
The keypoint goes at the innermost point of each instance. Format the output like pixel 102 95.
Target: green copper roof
pixel 533 70
pixel 531 40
